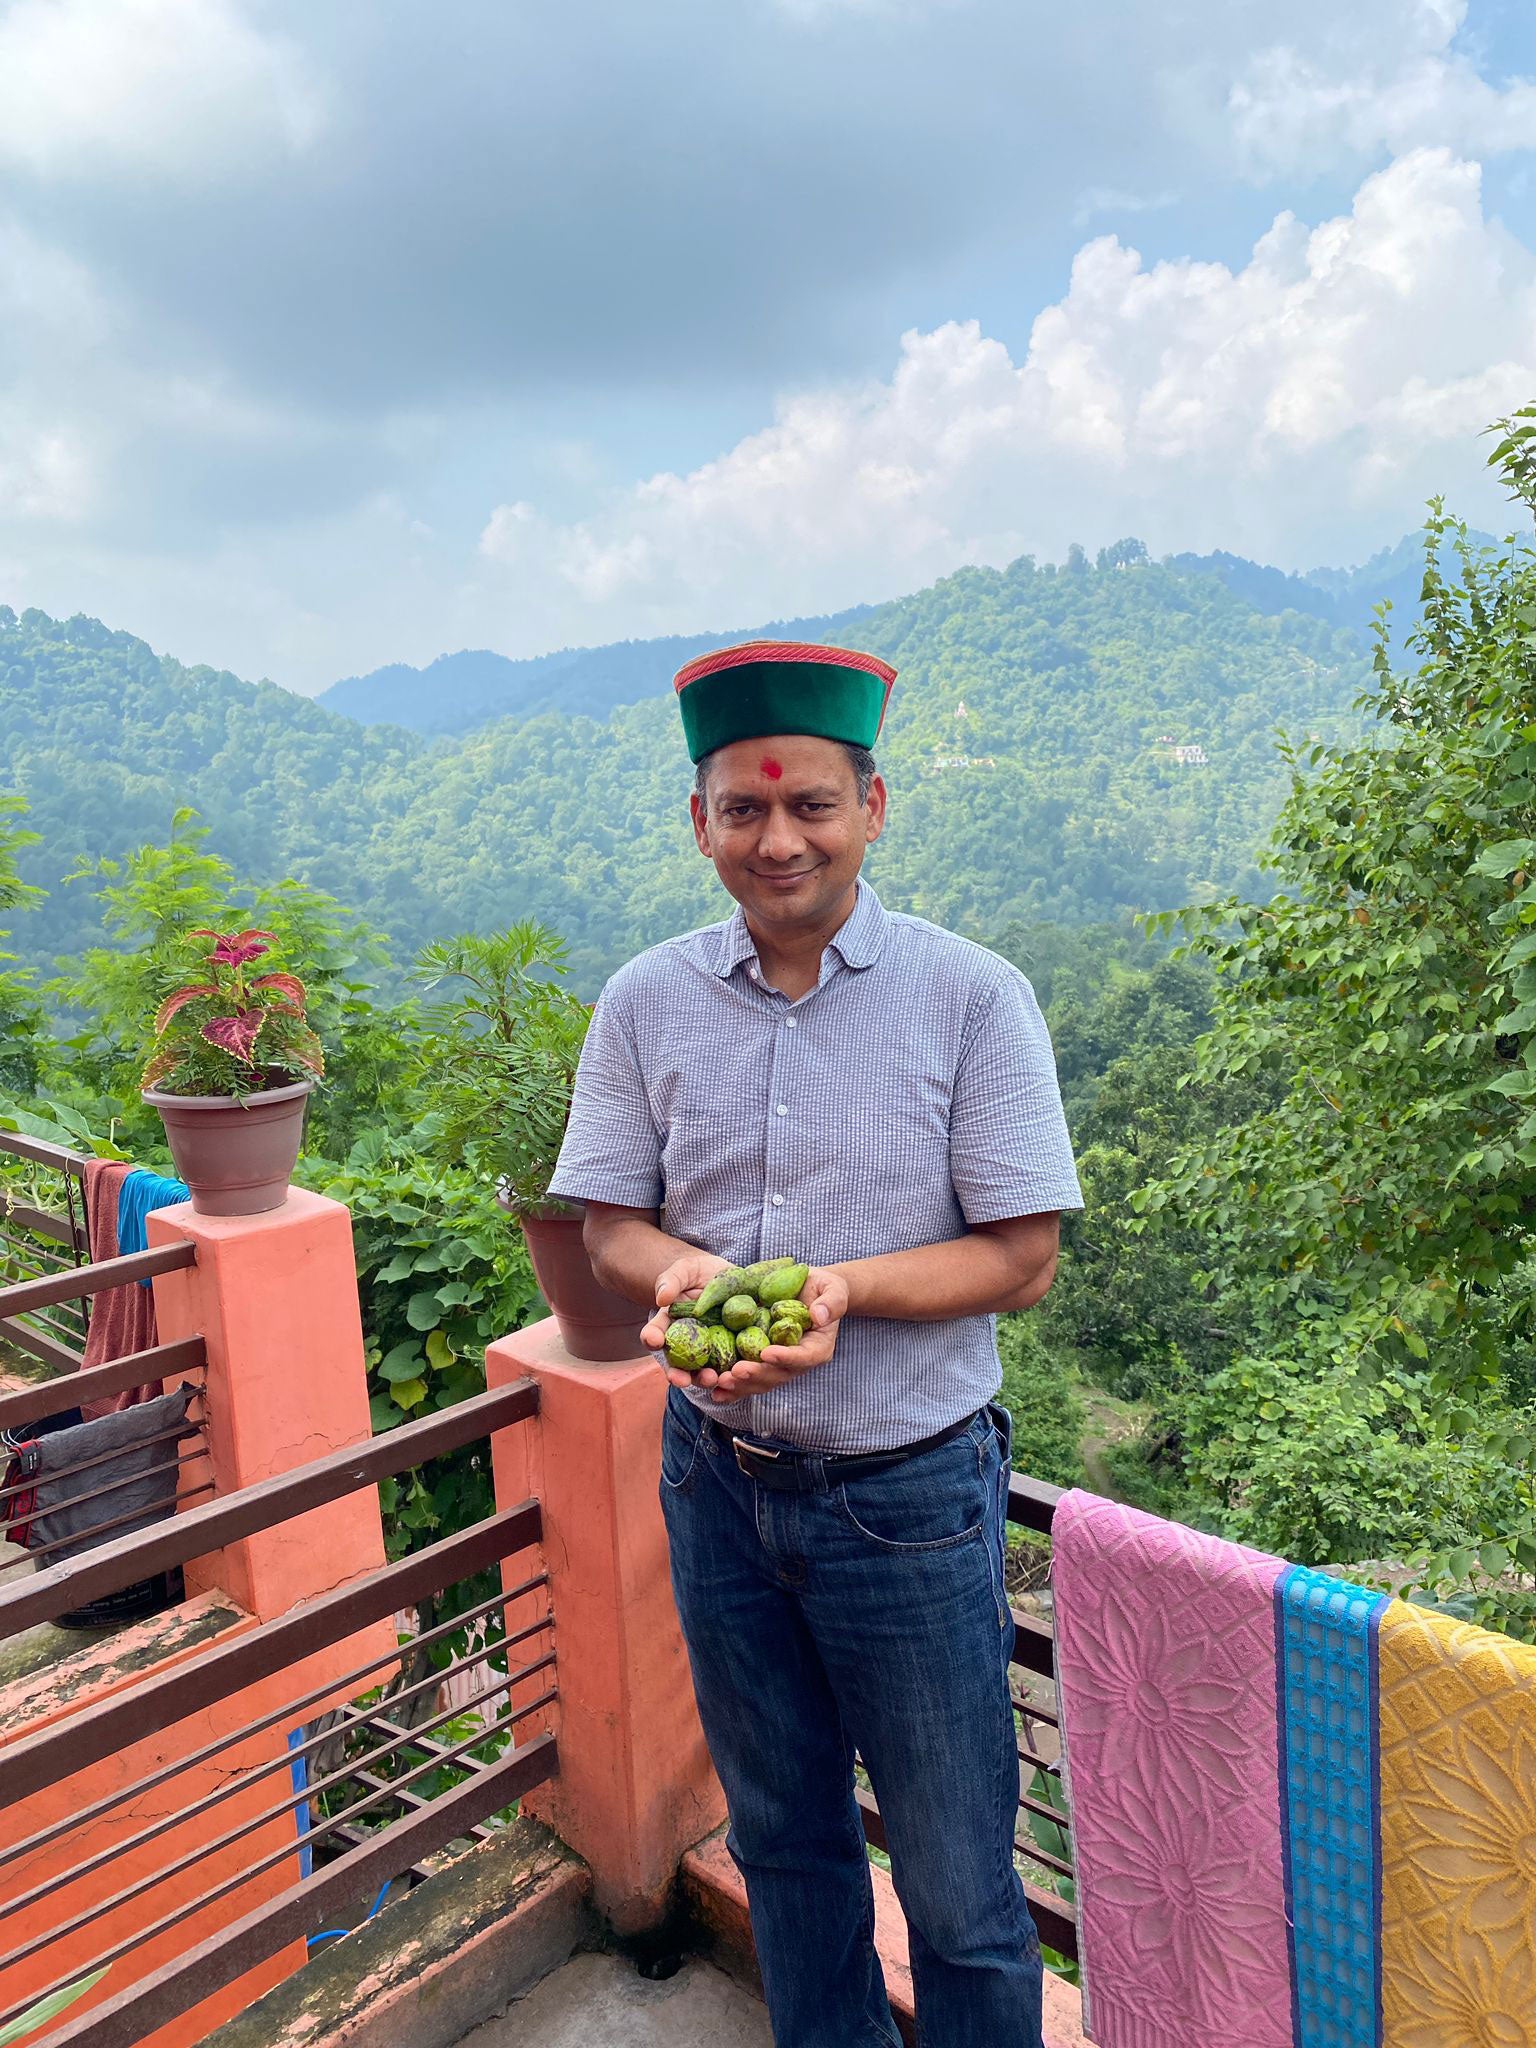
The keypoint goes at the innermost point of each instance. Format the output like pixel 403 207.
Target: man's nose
pixel 782 838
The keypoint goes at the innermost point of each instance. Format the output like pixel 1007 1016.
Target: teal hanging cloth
pixel 140 1192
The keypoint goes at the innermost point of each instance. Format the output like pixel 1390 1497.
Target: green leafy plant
pixel 501 1059
pixel 233 1032
pixel 440 1276
pixel 48 2008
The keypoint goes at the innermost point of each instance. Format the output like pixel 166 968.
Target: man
pixel 821 1078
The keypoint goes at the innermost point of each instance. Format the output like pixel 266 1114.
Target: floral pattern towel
pixel 1166 1651
pixel 1458 1834
pixel 1304 1815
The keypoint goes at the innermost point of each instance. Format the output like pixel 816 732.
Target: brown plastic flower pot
pixel 237 1157
pixel 595 1324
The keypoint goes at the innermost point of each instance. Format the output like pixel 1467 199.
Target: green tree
pixel 19 1013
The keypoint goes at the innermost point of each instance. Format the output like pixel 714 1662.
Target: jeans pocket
pixel 681 1434
pixel 935 1501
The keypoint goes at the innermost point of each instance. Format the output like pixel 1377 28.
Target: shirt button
pixel 777 1201
pixel 752 973
pixel 783 1109
pixel 790 1023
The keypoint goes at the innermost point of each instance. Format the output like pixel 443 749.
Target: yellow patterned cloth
pixel 1458 1834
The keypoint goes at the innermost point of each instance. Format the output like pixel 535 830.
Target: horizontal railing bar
pixel 1037 1762
pixel 1046 1811
pixel 1026 1845
pixel 288 1712
pixel 305 1838
pixel 254 1508
pixel 42 1153
pixel 1032 1502
pixel 56 1472
pixel 160 1362
pixel 97 1278
pixel 42 1223
pixel 1034 1644
pixel 40 1345
pixel 127 2018
pixel 169 1504
pixel 101 1730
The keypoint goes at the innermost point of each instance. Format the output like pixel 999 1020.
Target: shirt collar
pixel 857 944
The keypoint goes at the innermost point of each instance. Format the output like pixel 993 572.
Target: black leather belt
pixel 813 1471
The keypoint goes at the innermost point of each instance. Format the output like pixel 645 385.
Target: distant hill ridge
pixel 459 692
pixel 1066 744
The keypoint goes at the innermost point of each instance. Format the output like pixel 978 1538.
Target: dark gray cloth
pixel 142 1476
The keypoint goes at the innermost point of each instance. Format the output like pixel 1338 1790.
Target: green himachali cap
pixel 782 686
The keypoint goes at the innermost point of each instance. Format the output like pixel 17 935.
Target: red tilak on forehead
pixel 770 768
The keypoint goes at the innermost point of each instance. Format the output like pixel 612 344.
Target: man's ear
pixel 874 810
pixel 700 825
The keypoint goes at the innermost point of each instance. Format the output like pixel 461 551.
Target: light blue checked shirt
pixel 911 1093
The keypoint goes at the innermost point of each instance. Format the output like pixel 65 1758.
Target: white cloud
pixel 1350 82
pixel 157 86
pixel 1319 392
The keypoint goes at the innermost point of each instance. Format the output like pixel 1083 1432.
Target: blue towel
pixel 140 1192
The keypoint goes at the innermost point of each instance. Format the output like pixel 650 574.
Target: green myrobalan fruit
pixel 752 1277
pixel 738 1311
pixel 688 1346
pixel 720 1290
pixel 722 1345
pixel 783 1285
pixel 685 1305
pixel 751 1342
pixel 786 1333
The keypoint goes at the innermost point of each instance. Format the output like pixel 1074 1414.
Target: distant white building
pixel 1190 757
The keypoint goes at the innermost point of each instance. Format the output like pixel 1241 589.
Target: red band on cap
pixel 782 650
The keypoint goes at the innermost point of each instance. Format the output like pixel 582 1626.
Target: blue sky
pixel 338 334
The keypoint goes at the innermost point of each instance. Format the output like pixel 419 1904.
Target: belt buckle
pixel 745 1450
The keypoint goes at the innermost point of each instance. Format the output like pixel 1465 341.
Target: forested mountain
pixel 1064 744
pixel 459 691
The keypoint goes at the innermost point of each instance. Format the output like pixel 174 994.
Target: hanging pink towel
pixel 1166 1666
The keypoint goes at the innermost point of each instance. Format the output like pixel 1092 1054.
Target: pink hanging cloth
pixel 1167 1676
pixel 123 1318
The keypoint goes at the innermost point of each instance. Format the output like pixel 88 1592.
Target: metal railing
pixel 347 1786
pixel 1042 1843
pixel 108 1481
pixel 43 1230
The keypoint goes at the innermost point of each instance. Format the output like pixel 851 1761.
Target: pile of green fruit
pixel 738 1315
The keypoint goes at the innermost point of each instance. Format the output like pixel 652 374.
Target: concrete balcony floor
pixel 600 2001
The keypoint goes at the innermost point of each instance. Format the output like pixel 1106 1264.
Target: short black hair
pixel 860 759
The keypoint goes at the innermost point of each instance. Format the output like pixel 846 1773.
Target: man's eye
pixel 816 807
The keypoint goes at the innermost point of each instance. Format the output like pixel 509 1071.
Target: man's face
pixel 785 828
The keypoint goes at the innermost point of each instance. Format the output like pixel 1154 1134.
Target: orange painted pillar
pixel 275 1298
pixel 635 1786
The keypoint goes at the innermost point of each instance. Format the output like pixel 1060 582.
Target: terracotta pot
pixel 595 1324
pixel 235 1157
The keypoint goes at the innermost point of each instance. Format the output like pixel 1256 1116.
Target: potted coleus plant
pixel 500 1068
pixel 233 1067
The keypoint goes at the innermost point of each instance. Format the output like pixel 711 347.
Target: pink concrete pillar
pixel 275 1298
pixel 635 1787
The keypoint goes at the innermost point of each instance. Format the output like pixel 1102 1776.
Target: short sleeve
pixel 1009 1151
pixel 612 1150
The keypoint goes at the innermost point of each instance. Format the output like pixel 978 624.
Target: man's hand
pixel 825 1294
pixel 684 1276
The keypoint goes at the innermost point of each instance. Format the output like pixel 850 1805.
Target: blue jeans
pixel 867 1616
